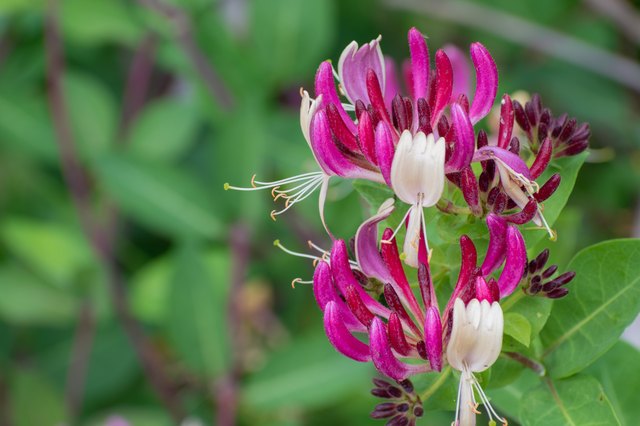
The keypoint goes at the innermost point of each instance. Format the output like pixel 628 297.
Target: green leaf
pixel 34 401
pixel 619 372
pixel 99 21
pixel 604 299
pixel 197 312
pixel 518 327
pixel 374 193
pixel 568 167
pixel 289 36
pixel 149 290
pixel 57 254
pixel 92 113
pixel 26 301
pixel 535 309
pixel 163 131
pixel 160 197
pixel 577 401
pixel 308 373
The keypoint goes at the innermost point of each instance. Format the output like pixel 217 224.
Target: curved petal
pixel 506 122
pixel 465 140
pixel 383 357
pixel 461 71
pixel 433 337
pixel 419 63
pixel 367 253
pixel 326 87
pixel 443 86
pixel 514 264
pixel 385 149
pixel 353 66
pixel 503 157
pixel 486 82
pixel 341 338
pixel 343 277
pixel 391 86
pixel 325 292
pixel 496 251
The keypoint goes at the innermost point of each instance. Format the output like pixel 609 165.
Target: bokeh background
pixel 135 290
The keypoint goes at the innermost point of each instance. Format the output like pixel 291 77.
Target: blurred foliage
pixel 157 159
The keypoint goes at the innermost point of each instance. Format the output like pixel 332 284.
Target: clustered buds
pixel 538 281
pixel 403 405
pixel 537 122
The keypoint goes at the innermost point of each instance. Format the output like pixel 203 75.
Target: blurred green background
pixel 136 289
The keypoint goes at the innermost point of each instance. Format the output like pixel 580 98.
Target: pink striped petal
pixel 325 292
pixel 353 66
pixel 465 140
pixel 383 357
pixel 514 264
pixel 326 87
pixel 506 122
pixel 343 277
pixel 443 87
pixel 385 149
pixel 419 64
pixel 496 251
pixel 433 337
pixel 341 338
pixel 399 282
pixel 486 82
pixel 366 137
pixel 367 253
pixel 503 156
pixel 461 71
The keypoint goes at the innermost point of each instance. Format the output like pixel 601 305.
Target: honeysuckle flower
pixel 405 329
pixel 475 343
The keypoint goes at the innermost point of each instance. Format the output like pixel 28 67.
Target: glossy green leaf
pixel 197 310
pixel 518 327
pixel 163 131
pixel 307 373
pixel 577 401
pixel 619 372
pixel 604 298
pixel 163 198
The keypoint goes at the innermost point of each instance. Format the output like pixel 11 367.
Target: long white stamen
pixel 278 244
pixel 264 185
pixel 404 219
pixel 486 403
pixel 297 197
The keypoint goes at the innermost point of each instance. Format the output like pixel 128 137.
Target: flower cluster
pixel 425 143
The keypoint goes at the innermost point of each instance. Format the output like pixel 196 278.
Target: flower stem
pixel 532 364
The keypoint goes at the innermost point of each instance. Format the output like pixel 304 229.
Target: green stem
pixel 436 385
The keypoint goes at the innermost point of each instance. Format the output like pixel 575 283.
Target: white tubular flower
pixel 475 343
pixel 417 178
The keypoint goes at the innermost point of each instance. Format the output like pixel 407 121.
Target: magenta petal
pixel 465 140
pixel 391 86
pixel 443 88
pixel 326 87
pixel 367 253
pixel 399 283
pixel 376 97
pixel 482 290
pixel 343 277
pixel 396 336
pixel 331 159
pixel 353 65
pixel 515 263
pixel 470 190
pixel 486 82
pixel 506 157
pixel 542 159
pixel 497 244
pixel 467 268
pixel 366 137
pixel 419 64
pixel 383 357
pixel 506 122
pixel 461 71
pixel 325 292
pixel 385 149
pixel 341 338
pixel 433 337
pixel 340 129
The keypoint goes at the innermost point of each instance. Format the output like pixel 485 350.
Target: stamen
pixel 278 244
pixel 404 219
pixel 299 281
pixel 485 401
